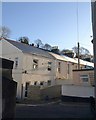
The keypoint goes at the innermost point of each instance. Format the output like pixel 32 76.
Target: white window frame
pixel 49 66
pixel 35 64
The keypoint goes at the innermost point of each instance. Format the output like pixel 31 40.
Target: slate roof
pixel 30 49
pixel 38 51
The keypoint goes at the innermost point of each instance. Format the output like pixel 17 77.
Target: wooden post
pixel 78 56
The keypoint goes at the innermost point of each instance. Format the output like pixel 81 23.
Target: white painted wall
pixel 40 74
pixel 79 91
pixel 63 69
pixel 11 52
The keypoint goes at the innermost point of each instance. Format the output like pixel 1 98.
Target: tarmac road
pixel 54 110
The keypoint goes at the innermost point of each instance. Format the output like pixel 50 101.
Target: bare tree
pixel 39 43
pixel 4 32
pixel 67 52
pixel 82 50
pixel 47 47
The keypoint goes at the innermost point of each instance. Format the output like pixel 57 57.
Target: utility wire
pixel 77 22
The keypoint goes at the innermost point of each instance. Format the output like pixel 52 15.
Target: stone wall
pixel 51 92
pixel 35 93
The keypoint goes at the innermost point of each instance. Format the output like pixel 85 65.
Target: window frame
pixel 16 62
pixel 68 68
pixel 59 67
pixel 84 76
pixel 35 64
pixel 49 66
pixel 26 88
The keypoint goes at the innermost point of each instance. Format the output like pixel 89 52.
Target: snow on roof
pixel 83 62
pixel 59 57
pixel 70 59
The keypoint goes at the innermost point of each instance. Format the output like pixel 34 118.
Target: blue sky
pixel 52 22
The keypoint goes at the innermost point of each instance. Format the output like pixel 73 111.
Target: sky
pixel 61 24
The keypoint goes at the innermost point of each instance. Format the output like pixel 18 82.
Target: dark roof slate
pixel 30 49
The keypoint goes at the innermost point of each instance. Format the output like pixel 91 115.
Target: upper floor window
pixel 59 67
pixel 49 66
pixel 84 78
pixel 16 62
pixel 35 64
pixel 68 68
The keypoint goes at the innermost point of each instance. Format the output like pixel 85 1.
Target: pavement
pixel 54 109
pixel 38 103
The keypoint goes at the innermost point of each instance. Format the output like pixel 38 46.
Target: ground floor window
pixel 49 82
pixel 21 91
pixel 26 88
pixel 42 83
pixel 35 83
pixel 84 78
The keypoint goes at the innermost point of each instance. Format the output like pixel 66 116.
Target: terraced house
pixel 34 66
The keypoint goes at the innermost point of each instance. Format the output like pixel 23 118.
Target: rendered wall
pixel 78 91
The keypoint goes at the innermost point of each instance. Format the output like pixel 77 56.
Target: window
pixel 35 64
pixel 26 88
pixel 21 91
pixel 84 78
pixel 88 67
pixel 35 83
pixel 68 69
pixel 42 83
pixel 49 82
pixel 59 67
pixel 49 66
pixel 16 62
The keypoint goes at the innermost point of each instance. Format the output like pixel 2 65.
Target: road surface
pixel 54 110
